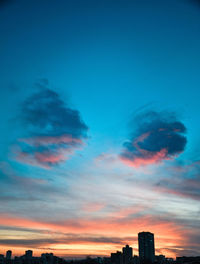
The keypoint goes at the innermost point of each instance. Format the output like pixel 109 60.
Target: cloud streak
pixel 184 183
pixel 155 136
pixel 95 232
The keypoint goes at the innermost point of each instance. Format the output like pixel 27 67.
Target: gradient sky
pixel 99 125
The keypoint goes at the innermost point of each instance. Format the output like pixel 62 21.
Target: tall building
pixel 146 247
pixel 8 254
pixel 127 254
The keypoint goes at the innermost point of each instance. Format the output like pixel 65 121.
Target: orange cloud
pixel 167 234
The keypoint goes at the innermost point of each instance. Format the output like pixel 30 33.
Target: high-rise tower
pixel 146 247
pixel 8 254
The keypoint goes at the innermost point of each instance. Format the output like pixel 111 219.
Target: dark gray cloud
pixel 155 136
pixel 23 229
pixel 54 130
pixel 66 239
pixel 45 114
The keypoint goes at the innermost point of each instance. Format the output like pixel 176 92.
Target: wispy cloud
pixel 95 232
pixel 123 207
pixel 184 183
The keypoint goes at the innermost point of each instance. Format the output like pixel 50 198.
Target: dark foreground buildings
pixel 146 247
pixel 127 254
pixel 146 256
pixel 124 257
pixel 27 258
pixel 8 255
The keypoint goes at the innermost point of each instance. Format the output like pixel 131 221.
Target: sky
pixel 99 126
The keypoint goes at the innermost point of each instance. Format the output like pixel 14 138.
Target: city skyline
pixel 99 126
pixel 146 251
pixel 146 245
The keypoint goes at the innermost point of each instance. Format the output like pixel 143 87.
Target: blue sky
pixel 103 65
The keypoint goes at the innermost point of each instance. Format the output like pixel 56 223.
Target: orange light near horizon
pixel 167 235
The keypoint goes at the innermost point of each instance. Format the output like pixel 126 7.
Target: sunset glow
pixel 99 127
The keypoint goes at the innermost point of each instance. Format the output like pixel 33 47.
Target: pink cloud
pixel 46 151
pixel 150 158
pixel 49 157
pixel 127 211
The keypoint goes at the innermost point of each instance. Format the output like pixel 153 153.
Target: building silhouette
pixel 124 257
pixel 146 247
pixel 29 254
pixel 116 258
pixel 127 254
pixel 8 254
pixel 47 258
pixel 1 259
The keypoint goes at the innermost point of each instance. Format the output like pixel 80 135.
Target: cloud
pixel 54 129
pixel 96 231
pixel 155 136
pixel 64 239
pixel 93 207
pixel 25 190
pixel 184 183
